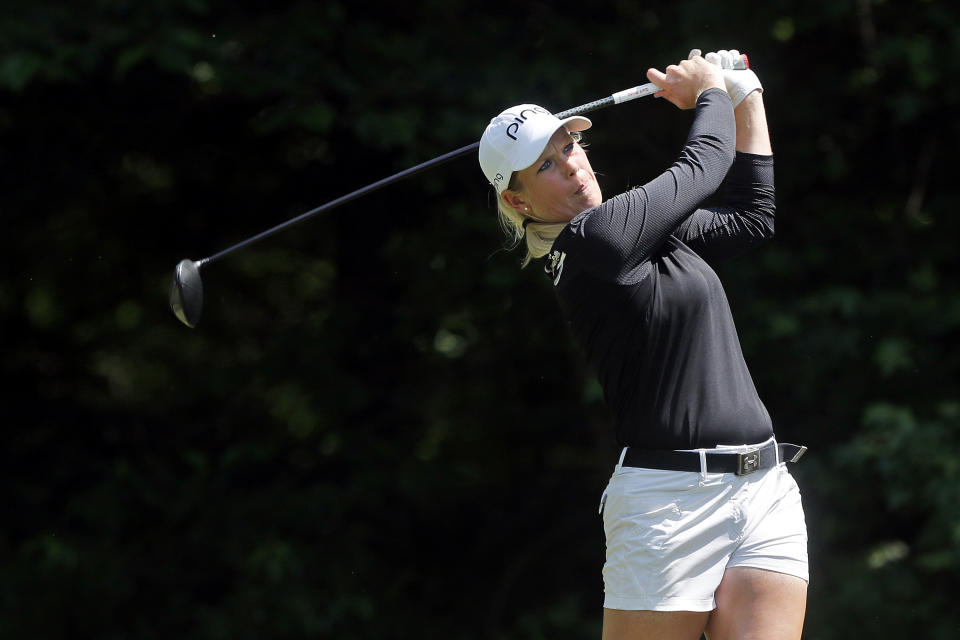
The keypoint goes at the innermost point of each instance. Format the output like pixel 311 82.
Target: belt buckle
pixel 748 462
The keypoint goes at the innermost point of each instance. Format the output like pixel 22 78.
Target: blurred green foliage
pixel 381 429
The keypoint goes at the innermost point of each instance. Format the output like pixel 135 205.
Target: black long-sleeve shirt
pixel 651 315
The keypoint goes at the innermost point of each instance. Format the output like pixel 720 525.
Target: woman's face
pixel 559 185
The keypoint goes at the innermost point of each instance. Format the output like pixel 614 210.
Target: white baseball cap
pixel 515 139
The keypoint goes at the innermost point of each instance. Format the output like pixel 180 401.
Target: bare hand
pixel 682 84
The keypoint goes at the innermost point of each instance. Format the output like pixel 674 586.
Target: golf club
pixel 186 287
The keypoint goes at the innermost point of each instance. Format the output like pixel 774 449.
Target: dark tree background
pixel 381 428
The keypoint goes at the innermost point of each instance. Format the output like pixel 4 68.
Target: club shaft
pixel 370 188
pixel 617 98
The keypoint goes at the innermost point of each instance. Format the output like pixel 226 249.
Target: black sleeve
pixel 745 216
pixel 616 239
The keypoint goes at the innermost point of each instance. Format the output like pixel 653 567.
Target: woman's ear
pixel 515 200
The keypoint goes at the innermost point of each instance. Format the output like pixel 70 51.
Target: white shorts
pixel 671 534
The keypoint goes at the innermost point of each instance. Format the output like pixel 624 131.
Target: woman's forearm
pixel 752 133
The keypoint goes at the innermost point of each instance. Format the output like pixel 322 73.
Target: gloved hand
pixel 740 80
pixel 728 59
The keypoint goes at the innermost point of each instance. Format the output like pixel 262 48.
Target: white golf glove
pixel 727 59
pixel 741 81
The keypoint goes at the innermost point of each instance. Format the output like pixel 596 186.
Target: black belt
pixel 718 461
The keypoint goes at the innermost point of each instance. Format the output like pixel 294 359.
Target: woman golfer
pixel 703 522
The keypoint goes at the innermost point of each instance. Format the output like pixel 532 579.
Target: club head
pixel 186 293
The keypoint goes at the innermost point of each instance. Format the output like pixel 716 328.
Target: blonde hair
pixel 539 236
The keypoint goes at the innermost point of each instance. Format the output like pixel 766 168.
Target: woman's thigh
pixel 756 603
pixel 620 624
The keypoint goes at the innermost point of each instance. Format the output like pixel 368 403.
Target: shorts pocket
pixel 640 522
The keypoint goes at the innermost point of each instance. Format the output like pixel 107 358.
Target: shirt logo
pixel 554 265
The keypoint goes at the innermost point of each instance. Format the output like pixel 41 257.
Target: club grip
pixel 586 108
